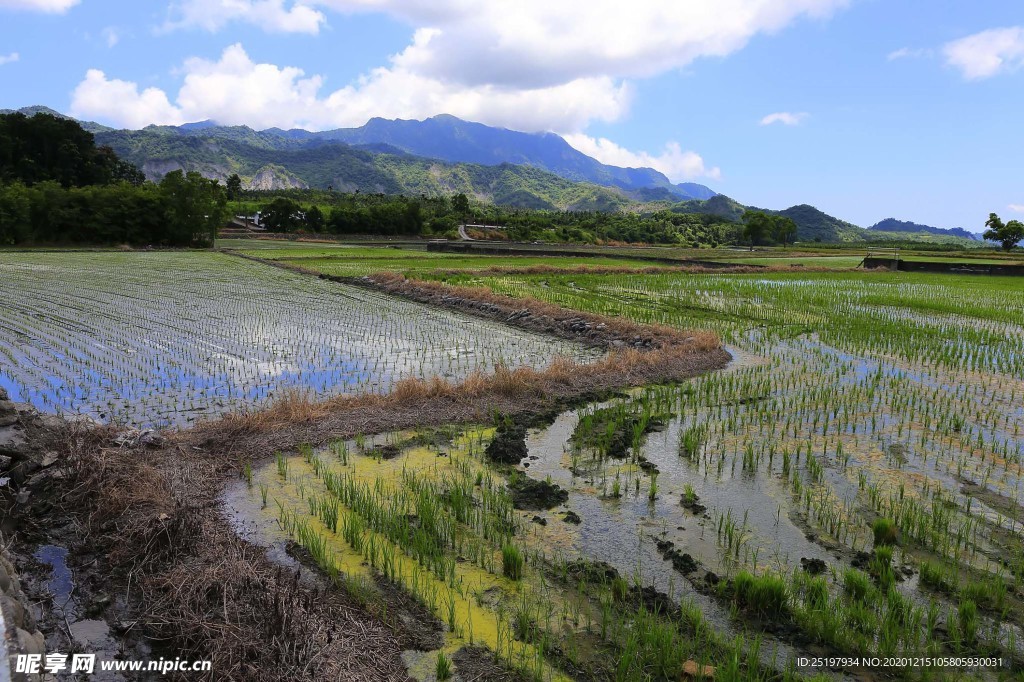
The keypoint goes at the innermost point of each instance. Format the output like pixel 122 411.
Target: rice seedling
pixel 511 562
pixel 443 669
pixel 885 532
pixel 763 595
pixel 967 619
pixel 692 440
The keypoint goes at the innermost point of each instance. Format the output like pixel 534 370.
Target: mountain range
pixel 446 155
pixel 449 138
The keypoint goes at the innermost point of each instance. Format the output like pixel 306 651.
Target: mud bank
pixel 533 315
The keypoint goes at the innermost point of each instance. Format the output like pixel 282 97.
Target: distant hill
pixel 816 225
pixel 893 225
pixel 812 224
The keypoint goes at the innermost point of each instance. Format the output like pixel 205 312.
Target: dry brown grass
pixel 301 418
pixel 197 589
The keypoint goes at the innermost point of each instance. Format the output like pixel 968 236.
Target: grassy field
pixel 816 261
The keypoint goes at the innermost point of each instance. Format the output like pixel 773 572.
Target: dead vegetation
pixel 152 520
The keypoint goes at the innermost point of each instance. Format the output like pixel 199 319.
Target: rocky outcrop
pixel 156 170
pixel 273 178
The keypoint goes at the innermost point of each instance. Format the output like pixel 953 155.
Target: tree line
pixel 58 187
pixel 310 210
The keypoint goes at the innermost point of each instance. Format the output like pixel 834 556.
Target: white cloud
pixel 121 101
pixel 1016 208
pixel 9 58
pixel 534 44
pixel 50 6
pixel 236 90
pixel 270 15
pixel 988 53
pixel 537 43
pixel 676 164
pixel 785 117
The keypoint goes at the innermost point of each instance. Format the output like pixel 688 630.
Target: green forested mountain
pixel 450 138
pixel 264 164
pixel 444 138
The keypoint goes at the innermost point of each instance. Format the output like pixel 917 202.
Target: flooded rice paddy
pixel 850 486
pixel 158 339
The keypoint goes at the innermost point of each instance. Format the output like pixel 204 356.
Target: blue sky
pixel 865 108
